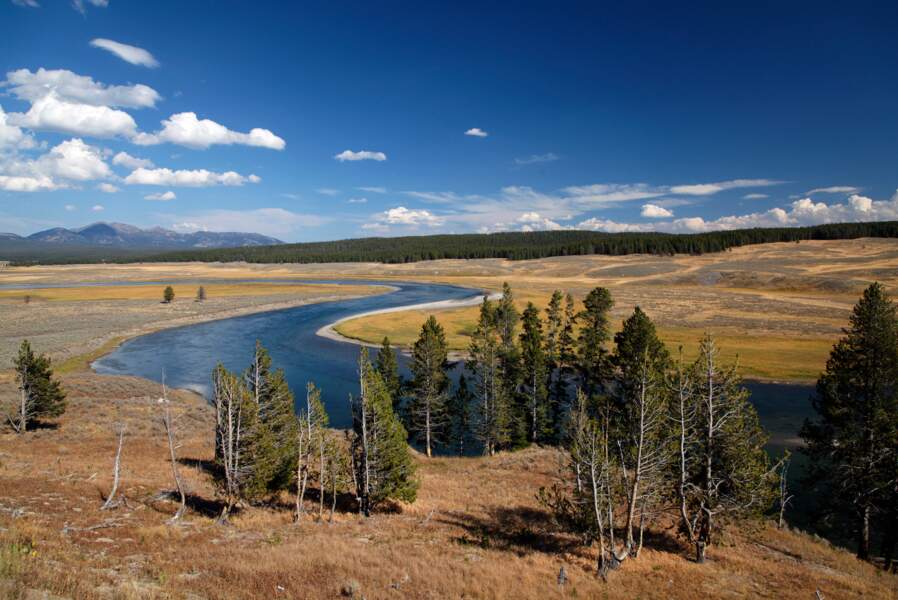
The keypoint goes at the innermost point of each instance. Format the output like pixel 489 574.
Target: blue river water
pixel 188 354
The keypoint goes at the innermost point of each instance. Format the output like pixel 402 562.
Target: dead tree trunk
pixel 168 424
pixel 110 499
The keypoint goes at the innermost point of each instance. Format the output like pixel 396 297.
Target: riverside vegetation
pixel 650 441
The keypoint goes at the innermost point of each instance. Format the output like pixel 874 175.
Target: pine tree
pixel 200 294
pixel 168 295
pixel 506 322
pixel 567 354
pixel 236 421
pixel 459 410
pixel 592 356
pixel 853 442
pixel 40 395
pixel 382 464
pixel 723 467
pixel 484 364
pixel 277 422
pixel 388 367
pixel 642 362
pixel 427 411
pixel 534 375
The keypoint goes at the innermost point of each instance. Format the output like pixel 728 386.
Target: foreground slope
pixel 475 532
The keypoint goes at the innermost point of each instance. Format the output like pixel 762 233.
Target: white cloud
pixel 328 191
pixel 373 189
pixel 609 193
pixel 276 222
pixel 162 197
pixel 755 196
pixel 98 208
pixel 537 158
pixel 476 132
pixel 706 189
pixel 802 212
pixel 653 211
pixel 27 3
pixel 835 189
pixel 360 155
pixel 131 162
pixel 187 178
pixel 12 137
pixel 80 89
pixel 405 217
pixel 130 54
pixel 108 188
pixel 532 221
pixel 72 159
pixel 15 183
pixel 71 207
pixel 357 200
pixel 186 129
pixel 79 5
pixel 50 113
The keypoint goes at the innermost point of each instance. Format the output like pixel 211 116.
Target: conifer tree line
pixel 510 245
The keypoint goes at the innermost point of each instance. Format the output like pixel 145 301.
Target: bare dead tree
pixel 785 498
pixel 310 440
pixel 231 399
pixel 116 470
pixel 168 424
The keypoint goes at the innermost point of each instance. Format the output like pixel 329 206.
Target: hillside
pixel 476 530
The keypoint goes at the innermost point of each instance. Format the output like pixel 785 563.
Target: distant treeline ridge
pixel 512 245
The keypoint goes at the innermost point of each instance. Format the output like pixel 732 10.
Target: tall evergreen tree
pixel 277 422
pixel 484 364
pixel 388 367
pixel 459 409
pixel 427 410
pixel 534 375
pixel 506 322
pixel 567 351
pixel 642 363
pixel 853 442
pixel 382 464
pixel 595 331
pixel 40 395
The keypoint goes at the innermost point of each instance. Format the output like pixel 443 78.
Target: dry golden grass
pixel 183 292
pixel 476 530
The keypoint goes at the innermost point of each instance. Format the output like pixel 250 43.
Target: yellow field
pixel 183 292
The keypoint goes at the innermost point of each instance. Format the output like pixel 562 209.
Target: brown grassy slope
pixel 476 530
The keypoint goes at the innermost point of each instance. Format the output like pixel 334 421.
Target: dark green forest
pixel 508 245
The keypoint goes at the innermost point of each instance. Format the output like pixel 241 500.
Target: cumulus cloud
pixel 108 188
pixel 51 113
pixel 404 217
pixel 653 211
pixel 802 212
pixel 98 208
pixel 476 132
pixel 12 137
pixel 124 159
pixel 185 129
pixel 18 183
pixel 537 158
pixel 162 197
pixel 81 89
pixel 73 159
pixel 532 221
pixel 360 155
pixel 129 54
pixel 187 178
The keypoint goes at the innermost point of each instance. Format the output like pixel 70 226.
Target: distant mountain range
pixel 129 237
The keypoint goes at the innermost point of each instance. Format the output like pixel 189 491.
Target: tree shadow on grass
pixel 520 529
pixel 207 466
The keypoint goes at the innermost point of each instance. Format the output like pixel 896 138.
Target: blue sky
pixel 344 120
